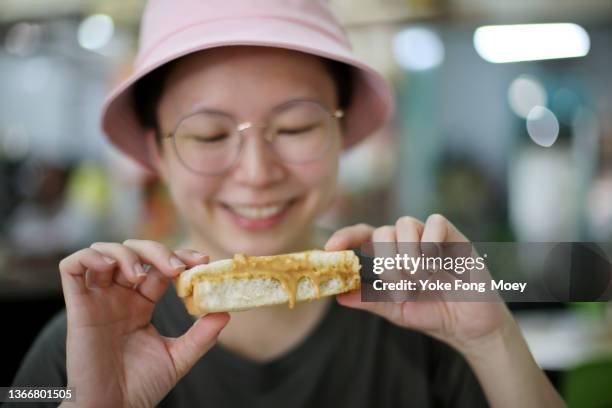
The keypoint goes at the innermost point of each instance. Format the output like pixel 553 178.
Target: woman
pixel 223 94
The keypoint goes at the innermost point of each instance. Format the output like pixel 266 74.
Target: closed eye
pixel 298 130
pixel 209 139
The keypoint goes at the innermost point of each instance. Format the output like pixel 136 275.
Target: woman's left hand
pixel 464 325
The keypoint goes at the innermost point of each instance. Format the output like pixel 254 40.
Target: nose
pixel 257 165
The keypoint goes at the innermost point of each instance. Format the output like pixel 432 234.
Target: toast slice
pixel 246 282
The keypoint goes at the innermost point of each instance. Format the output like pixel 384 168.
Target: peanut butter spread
pixel 289 269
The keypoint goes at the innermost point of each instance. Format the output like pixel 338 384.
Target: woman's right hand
pixel 115 357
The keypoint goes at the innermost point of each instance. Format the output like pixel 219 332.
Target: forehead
pixel 244 81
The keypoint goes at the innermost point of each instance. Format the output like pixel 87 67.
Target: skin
pixel 109 318
pixel 486 334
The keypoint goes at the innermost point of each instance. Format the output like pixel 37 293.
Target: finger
pixel 439 229
pixel 191 346
pixel 385 233
pixel 158 255
pixel 383 239
pixel 447 239
pixel 101 280
pixel 121 279
pixel 96 278
pixel 74 267
pixel 156 283
pixel 154 286
pixel 191 257
pixel 384 244
pixel 131 270
pixel 349 237
pixel 408 231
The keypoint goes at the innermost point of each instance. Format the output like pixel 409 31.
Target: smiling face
pixel 261 205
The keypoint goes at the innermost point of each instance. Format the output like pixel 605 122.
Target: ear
pixel 155 153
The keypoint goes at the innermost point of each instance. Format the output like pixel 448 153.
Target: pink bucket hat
pixel 173 28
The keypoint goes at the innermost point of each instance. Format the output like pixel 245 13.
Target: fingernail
pixel 199 254
pixel 176 263
pixel 108 259
pixel 140 272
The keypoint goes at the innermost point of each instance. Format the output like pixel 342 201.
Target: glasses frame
pixel 240 127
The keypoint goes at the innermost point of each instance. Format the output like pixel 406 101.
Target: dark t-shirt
pixel 351 359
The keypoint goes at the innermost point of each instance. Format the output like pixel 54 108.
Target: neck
pixel 265 333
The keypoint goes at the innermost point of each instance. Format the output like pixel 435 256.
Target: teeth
pixel 257 213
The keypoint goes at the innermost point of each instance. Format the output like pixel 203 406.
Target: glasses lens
pixel 301 131
pixel 207 142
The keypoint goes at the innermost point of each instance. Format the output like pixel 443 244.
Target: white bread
pixel 246 282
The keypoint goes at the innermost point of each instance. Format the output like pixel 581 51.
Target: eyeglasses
pixel 209 142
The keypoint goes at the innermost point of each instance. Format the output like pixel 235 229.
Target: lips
pixel 251 216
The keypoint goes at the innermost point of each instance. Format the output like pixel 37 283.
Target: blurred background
pixel 504 125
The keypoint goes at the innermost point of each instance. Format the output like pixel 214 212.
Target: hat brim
pixel 372 102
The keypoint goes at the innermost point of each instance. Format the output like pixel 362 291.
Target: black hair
pixel 148 91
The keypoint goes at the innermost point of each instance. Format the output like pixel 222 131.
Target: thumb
pixel 191 346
